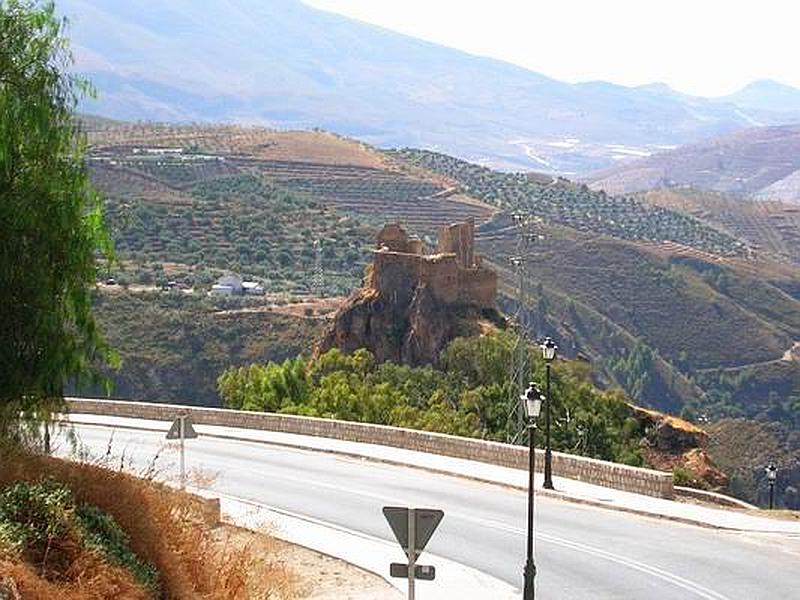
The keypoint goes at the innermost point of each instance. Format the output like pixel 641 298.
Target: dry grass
pixel 165 529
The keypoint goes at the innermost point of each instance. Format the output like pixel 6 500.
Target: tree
pixel 51 226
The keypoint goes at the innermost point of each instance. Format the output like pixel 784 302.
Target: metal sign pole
pixel 183 452
pixel 412 551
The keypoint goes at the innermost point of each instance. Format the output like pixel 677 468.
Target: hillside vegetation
pixel 231 221
pixel 468 394
pixel 561 202
pixel 173 346
pixel 63 535
pixel 771 228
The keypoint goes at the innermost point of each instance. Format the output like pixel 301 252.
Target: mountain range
pixel 286 65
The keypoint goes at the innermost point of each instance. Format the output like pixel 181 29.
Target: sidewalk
pixel 565 489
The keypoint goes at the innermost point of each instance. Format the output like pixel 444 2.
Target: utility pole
pixel 520 362
pixel 318 278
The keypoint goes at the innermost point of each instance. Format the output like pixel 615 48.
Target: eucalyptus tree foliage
pixel 51 225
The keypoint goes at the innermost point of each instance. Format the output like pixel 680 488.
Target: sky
pixel 701 47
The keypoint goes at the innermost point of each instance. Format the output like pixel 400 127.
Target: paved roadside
pixel 453 580
pixel 566 489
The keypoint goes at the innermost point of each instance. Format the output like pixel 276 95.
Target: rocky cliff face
pixel 410 332
pixel 672 443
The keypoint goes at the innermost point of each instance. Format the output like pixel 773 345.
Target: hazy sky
pixel 704 47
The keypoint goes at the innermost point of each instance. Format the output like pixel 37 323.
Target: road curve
pixel 581 551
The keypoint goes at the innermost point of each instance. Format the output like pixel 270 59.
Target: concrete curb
pixel 539 492
pixel 720 499
pixel 366 552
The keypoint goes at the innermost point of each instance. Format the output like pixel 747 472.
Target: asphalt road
pixel 581 552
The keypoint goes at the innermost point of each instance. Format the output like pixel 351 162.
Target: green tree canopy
pixel 51 227
pixel 468 394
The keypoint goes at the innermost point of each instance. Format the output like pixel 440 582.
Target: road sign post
pixel 412 551
pixel 413 528
pixel 182 429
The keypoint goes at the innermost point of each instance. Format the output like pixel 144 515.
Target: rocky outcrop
pixel 413 304
pixel 412 333
pixel 671 443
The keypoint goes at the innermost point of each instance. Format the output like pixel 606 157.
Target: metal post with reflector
pixel 182 429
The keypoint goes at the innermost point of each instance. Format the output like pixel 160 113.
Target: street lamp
pixel 772 475
pixel 532 402
pixel 549 354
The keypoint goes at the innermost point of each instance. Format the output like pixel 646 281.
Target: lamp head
pixel 549 348
pixel 532 401
pixel 772 472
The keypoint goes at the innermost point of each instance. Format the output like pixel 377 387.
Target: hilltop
pixel 285 64
pixel 761 162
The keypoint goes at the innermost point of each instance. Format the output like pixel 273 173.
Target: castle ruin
pixel 414 302
pixel 452 272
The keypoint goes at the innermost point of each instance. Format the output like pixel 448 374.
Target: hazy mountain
pixel 767 95
pixel 284 64
pixel 761 162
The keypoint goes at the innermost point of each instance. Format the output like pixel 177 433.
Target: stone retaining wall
pixel 621 477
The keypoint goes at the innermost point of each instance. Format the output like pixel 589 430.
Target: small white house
pixel 221 290
pixel 232 285
pixel 252 288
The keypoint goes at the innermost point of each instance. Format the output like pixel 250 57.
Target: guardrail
pixel 589 470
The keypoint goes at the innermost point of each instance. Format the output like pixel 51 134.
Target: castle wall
pixel 453 275
pixel 458 239
pixel 441 276
pixel 478 286
pixel 394 238
pixel 396 275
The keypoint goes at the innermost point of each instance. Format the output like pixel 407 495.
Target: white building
pixel 252 288
pixel 232 285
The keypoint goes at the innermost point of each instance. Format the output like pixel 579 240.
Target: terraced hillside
pixel 215 220
pixel 559 201
pixel 770 228
pixel 164 162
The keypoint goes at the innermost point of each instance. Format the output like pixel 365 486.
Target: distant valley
pixel 284 64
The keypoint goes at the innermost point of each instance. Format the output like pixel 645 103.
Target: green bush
pixel 33 515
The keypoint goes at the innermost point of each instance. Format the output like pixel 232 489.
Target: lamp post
pixel 772 475
pixel 532 402
pixel 549 354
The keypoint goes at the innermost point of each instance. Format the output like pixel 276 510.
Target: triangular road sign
pixel 189 432
pixel 426 520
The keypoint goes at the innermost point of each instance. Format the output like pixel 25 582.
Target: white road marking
pixel 671 578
